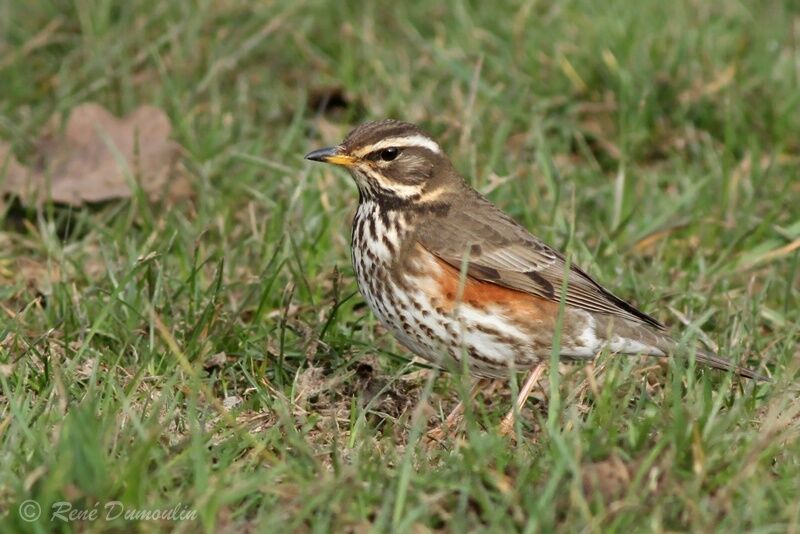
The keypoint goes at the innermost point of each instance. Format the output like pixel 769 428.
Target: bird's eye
pixel 388 154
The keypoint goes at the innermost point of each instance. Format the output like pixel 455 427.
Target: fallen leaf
pixel 95 159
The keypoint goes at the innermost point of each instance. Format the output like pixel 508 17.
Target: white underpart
pixel 631 346
pixel 484 343
pixel 490 317
pixel 588 344
pixel 400 142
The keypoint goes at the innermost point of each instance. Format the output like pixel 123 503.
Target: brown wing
pixel 503 252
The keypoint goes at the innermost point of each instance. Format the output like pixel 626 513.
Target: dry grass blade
pixel 770 256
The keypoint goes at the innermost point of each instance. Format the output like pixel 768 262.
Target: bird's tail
pixel 668 345
pixel 712 360
pixel 660 343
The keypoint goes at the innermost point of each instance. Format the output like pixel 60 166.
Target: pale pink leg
pixel 507 425
pixel 454 419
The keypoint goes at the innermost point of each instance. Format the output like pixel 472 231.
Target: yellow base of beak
pixel 340 159
pixel 331 155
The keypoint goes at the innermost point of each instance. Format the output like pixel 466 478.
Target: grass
pixel 215 355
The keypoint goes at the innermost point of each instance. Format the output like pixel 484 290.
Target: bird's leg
pixel 453 420
pixel 507 425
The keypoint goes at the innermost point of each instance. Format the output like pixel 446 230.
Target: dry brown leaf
pixel 96 157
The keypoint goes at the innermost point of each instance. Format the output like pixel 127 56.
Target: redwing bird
pixel 419 226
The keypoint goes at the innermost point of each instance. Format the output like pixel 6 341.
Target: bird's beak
pixel 332 155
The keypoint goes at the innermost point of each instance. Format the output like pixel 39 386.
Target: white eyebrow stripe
pixel 401 142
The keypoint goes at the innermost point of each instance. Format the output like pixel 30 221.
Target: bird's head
pixel 393 161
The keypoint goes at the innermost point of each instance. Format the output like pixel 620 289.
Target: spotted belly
pixel 445 319
pixel 423 314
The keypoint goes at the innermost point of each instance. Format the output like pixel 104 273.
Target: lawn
pixel 211 355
